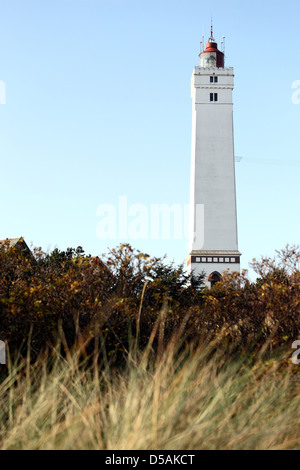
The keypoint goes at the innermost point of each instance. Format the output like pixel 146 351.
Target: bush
pixel 115 303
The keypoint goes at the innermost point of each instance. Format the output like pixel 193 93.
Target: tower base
pixel 213 263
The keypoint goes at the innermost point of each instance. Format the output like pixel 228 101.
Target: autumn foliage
pixel 126 298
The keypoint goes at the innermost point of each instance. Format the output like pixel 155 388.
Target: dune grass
pixel 199 399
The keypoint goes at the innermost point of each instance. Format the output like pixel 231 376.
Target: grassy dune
pixel 199 400
pixel 154 385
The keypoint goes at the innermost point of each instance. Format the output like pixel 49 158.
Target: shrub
pixel 116 302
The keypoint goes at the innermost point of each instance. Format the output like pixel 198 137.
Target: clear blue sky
pixel 98 106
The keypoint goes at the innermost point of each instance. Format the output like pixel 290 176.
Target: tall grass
pixel 199 399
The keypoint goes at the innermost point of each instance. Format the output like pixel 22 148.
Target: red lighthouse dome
pixel 211 56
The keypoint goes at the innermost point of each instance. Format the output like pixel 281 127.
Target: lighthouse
pixel 213 237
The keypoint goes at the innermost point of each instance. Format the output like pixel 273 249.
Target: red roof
pixel 211 47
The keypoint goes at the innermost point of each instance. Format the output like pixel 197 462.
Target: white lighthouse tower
pixel 213 216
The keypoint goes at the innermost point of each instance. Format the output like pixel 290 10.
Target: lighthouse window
pixel 213 96
pixel 211 79
pixel 216 79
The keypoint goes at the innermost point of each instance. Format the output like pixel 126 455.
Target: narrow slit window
pixel 215 96
pixel 211 79
pixel 216 79
pixel 211 97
